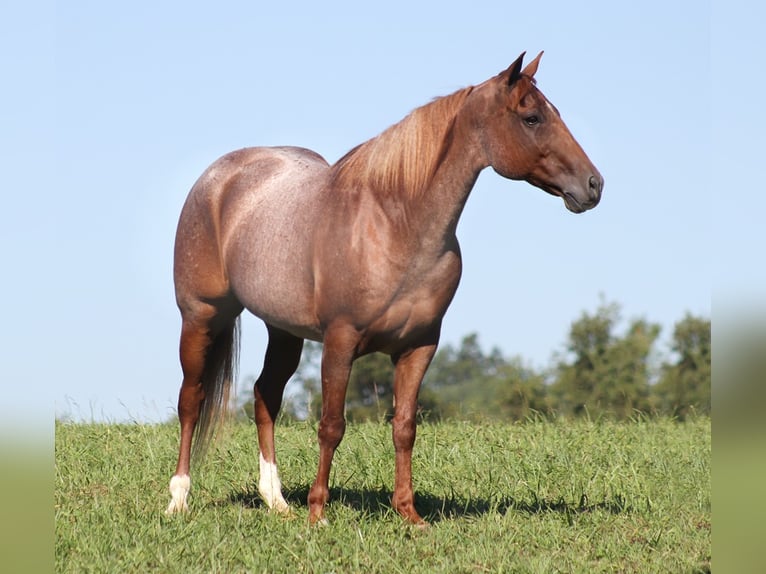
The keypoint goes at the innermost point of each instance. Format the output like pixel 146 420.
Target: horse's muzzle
pixel 585 199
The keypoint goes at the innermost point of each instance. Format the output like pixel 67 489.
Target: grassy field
pixel 534 497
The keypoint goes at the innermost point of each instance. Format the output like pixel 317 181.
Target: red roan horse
pixel 361 255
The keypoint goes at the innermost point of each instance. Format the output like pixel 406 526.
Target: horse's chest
pixel 419 301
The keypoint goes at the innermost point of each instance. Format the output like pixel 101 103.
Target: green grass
pixel 536 497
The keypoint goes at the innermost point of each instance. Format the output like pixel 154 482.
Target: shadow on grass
pixel 436 508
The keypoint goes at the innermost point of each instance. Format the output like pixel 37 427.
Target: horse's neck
pixel 452 183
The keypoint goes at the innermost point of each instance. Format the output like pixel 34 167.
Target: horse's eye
pixel 532 120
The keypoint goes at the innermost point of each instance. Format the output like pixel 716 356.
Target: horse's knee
pixel 331 430
pixel 404 430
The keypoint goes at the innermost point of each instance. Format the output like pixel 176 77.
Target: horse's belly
pixel 275 286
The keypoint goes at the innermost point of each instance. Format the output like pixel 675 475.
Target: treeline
pixel 600 372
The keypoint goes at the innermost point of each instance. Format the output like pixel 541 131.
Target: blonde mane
pixel 404 158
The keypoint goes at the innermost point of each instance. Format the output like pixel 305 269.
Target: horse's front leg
pixel 337 357
pixel 410 368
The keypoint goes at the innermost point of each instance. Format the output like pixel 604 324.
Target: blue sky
pixel 132 102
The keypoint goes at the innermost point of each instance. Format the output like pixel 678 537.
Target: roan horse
pixel 361 255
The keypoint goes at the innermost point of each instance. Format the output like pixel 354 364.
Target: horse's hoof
pixel 174 508
pixel 179 490
pixel 318 520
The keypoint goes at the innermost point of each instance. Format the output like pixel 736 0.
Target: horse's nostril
pixel 595 185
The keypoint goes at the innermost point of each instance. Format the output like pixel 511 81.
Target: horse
pixel 361 255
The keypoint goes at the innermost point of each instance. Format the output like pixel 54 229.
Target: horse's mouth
pixel 570 201
pixel 572 204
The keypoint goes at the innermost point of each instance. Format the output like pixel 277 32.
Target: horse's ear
pixel 514 70
pixel 531 68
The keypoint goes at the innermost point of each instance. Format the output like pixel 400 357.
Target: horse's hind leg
pixel 195 342
pixel 207 349
pixel 282 357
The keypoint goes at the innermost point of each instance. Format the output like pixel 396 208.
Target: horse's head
pixel 524 138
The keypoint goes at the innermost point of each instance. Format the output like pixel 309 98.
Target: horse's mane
pixel 404 158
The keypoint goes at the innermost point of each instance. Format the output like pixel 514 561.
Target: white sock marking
pixel 179 490
pixel 270 487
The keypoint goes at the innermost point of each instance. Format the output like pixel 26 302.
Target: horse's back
pixel 244 173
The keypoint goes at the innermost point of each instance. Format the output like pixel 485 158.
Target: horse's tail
pixel 218 377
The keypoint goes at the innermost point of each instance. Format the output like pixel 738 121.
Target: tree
pixel 370 394
pixel 464 382
pixel 602 371
pixel 456 384
pixel 303 394
pixel 589 341
pixel 521 392
pixel 607 373
pixel 685 383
